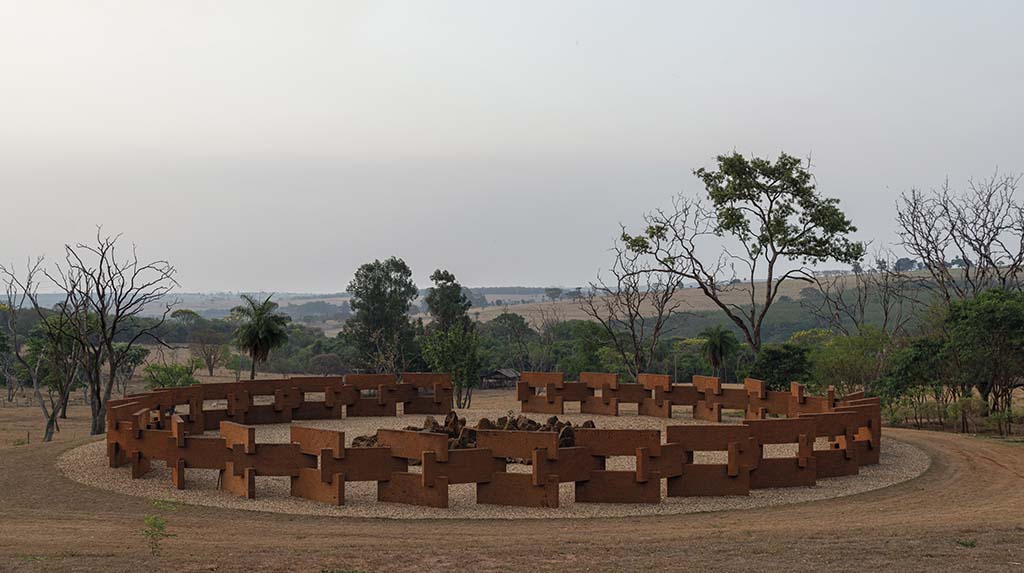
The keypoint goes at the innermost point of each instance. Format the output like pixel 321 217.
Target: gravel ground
pixel 87 464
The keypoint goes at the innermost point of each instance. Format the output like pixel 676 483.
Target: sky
pixel 279 145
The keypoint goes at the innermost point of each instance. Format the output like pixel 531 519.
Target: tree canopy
pixel 261 329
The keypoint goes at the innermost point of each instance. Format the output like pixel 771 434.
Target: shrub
pixel 170 375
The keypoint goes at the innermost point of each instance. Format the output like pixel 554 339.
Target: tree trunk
pixel 51 424
pixel 64 404
pixel 252 373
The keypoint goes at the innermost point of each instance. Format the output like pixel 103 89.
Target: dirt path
pixel 972 494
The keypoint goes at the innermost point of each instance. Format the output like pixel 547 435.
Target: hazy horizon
pixel 264 148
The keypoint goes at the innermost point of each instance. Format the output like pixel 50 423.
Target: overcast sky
pixel 278 145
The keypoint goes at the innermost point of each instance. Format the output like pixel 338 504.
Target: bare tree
pixel 967 241
pixel 50 358
pixel 848 303
pixel 112 293
pixel 634 307
pixel 545 321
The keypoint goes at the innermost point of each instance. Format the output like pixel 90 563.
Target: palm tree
pixel 719 344
pixel 261 329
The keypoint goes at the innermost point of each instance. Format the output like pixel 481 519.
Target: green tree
pixel 988 333
pixel 455 351
pixel 505 341
pixel 382 294
pixel 774 212
pixel 170 375
pixel 720 344
pixel 780 364
pixel 850 363
pixel 446 301
pixel 133 357
pixel 553 293
pixel 451 343
pixel 326 364
pixel 261 329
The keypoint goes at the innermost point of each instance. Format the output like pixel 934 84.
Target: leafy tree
pixel 780 364
pixel 446 301
pixel 505 341
pixel 850 363
pixel 170 375
pixel 261 329
pixel 455 351
pixel 553 293
pixel 382 294
pixel 326 364
pixel 132 358
pixel 209 342
pixel 904 264
pixel 719 345
pixel 913 379
pixel 774 212
pixel 988 332
pixel 451 343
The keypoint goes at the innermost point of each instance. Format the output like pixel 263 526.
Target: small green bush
pixel 170 375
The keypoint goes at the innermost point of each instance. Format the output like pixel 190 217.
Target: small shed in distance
pixel 500 378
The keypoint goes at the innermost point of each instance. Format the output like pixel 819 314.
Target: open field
pixel 691 299
pixel 963 513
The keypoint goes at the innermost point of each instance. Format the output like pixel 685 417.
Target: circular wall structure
pixel 213 444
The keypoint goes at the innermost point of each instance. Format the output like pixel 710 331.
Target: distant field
pixel 692 299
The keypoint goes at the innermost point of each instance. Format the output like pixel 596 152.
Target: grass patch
pixel 968 543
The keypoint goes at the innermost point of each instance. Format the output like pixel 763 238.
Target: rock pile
pixel 462 436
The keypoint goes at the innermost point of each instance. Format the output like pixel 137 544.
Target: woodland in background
pixel 933 325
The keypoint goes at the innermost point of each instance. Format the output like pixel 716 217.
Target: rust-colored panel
pixel 707 384
pixel 618 487
pixel 364 464
pixel 408 488
pixel 782 472
pixel 463 466
pixel 309 485
pixel 427 380
pixel 604 442
pixel 519 445
pixel 598 380
pixel 239 481
pixel 652 381
pixel 630 393
pixel 708 480
pixel 411 445
pixel 233 434
pixel 543 405
pixel 371 407
pixel 370 381
pixel 314 441
pixel 542 379
pixel 668 464
pixel 523 391
pixel 836 462
pixel 518 490
pixel 573 464
pixel 652 407
pixel 678 394
pixel 574 392
pixel 599 405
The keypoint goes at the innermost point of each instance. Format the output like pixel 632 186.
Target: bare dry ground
pixel 964 513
